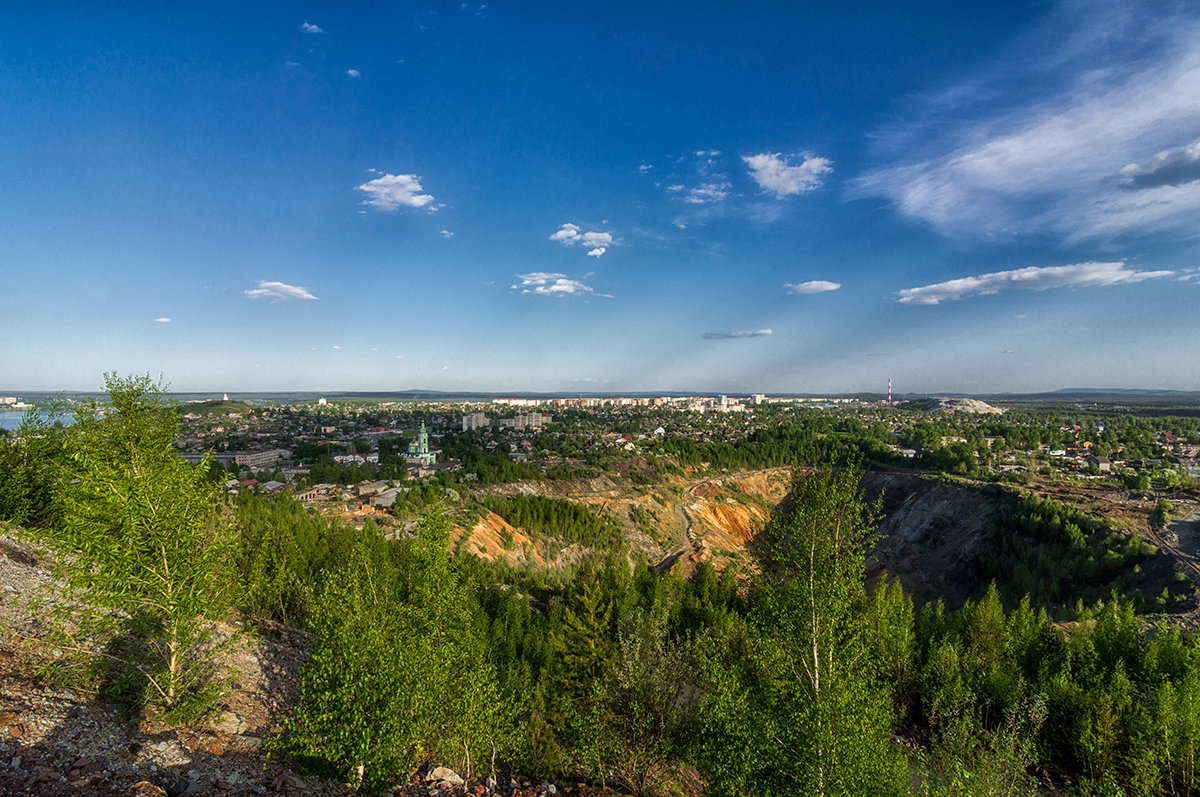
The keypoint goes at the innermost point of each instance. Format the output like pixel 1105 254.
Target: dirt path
pixel 1186 548
pixel 684 541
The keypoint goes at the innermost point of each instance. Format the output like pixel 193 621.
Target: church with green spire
pixel 418 450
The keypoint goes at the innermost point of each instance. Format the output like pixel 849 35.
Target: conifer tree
pixel 142 539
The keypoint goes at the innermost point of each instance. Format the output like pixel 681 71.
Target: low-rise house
pixel 386 498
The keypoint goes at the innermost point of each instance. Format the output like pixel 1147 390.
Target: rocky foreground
pixel 62 739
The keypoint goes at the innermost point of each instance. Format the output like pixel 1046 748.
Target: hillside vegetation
pixel 503 631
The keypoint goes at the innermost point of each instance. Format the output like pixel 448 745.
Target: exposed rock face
pixel 487 540
pixel 931 534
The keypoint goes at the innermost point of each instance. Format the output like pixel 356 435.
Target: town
pixel 354 458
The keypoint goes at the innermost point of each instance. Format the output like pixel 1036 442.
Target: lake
pixel 11 419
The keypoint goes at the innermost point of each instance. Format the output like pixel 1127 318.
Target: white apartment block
pixel 476 420
pixel 262 459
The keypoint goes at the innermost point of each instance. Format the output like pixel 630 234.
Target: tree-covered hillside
pixel 788 677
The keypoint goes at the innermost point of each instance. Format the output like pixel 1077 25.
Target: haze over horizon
pixel 773 197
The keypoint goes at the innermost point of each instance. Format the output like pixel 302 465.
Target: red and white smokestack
pixel 889 391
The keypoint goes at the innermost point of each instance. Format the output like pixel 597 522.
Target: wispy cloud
pixel 278 292
pixel 569 234
pixel 757 333
pixel 543 283
pixel 697 178
pixel 393 191
pixel 308 27
pixel 775 175
pixel 708 192
pixel 812 286
pixel 353 73
pixel 1078 275
pixel 447 234
pixel 163 320
pixel 1085 129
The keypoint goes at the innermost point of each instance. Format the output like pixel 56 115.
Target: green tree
pixel 649 689
pixel 823 720
pixel 27 472
pixel 142 540
pixel 581 639
pixel 398 676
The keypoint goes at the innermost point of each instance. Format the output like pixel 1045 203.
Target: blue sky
pixel 727 197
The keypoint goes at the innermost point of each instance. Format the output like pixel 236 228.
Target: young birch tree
pixel 822 719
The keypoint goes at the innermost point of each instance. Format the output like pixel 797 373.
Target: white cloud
pixel 335 347
pixel 543 283
pixel 758 333
pixel 1078 275
pixel 569 234
pixel 644 167
pixel 308 27
pixel 1086 129
pixel 776 176
pixel 163 320
pixel 391 191
pixel 708 192
pixel 447 234
pixel 278 292
pixel 353 73
pixel 597 239
pixel 812 286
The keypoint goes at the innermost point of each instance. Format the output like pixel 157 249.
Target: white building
pixel 262 459
pixel 476 420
